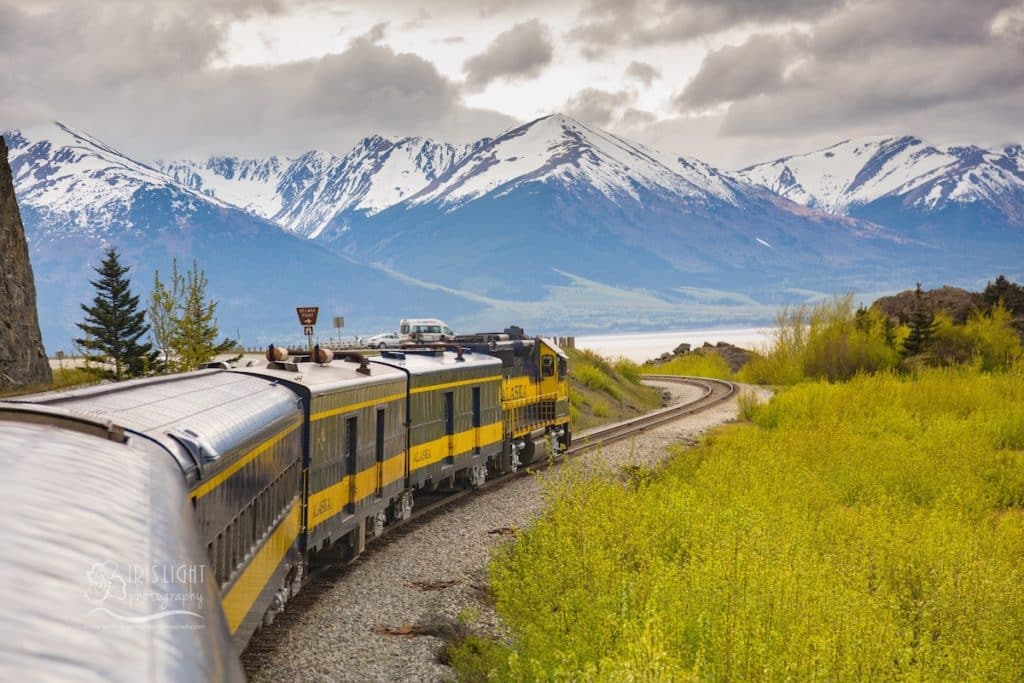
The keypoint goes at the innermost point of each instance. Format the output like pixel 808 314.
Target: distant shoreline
pixel 642 346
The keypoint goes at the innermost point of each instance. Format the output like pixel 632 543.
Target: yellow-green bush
pixel 872 530
pixel 987 338
pixel 629 370
pixel 594 377
pixel 694 365
pixel 827 341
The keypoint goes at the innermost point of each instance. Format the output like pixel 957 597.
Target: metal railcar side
pixel 107 579
pixel 356 458
pixel 455 425
pixel 238 440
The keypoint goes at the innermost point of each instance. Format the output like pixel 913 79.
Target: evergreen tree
pixel 114 324
pixel 184 320
pixel 922 325
pixel 1010 293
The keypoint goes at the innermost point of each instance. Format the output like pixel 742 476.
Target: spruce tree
pixel 922 325
pixel 1007 291
pixel 114 324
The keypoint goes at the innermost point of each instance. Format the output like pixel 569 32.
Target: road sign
pixel 339 321
pixel 307 315
pixel 307 330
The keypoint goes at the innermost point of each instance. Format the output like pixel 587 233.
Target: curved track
pixel 322 577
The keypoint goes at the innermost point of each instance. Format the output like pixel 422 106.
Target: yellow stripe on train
pixel 436 450
pixel 326 503
pixel 240 598
pixel 205 487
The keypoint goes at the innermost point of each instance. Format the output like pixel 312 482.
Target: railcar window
pixel 351 445
pixel 219 561
pixel 380 450
pixel 476 417
pixel 547 366
pixel 449 422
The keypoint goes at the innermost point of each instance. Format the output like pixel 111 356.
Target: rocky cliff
pixel 23 361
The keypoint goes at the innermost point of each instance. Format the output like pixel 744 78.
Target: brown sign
pixel 307 314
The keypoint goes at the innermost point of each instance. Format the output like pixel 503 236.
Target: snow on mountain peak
pixel 557 147
pixel 63 171
pixel 864 170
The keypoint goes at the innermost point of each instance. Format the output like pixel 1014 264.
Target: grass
pixel 603 391
pixel 870 529
pixel 63 378
pixel 693 364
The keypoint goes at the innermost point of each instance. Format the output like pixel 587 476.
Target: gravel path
pixel 437 574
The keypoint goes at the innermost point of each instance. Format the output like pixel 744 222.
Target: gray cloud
pixel 607 23
pixel 520 52
pixel 873 67
pixel 738 72
pixel 643 72
pixel 142 79
pixel 636 118
pixel 597 107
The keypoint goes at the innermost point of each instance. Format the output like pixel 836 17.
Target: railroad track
pixel 325 575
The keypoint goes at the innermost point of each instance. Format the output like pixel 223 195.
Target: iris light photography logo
pixel 126 594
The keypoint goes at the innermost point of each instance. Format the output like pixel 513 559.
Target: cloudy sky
pixel 732 82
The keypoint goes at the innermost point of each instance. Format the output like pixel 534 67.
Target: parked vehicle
pixel 424 331
pixel 384 340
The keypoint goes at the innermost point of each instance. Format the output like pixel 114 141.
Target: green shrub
pixel 628 370
pixel 987 338
pixel 694 365
pixel 595 377
pixel 869 530
pixel 827 341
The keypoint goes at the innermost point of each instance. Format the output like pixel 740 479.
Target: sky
pixel 731 82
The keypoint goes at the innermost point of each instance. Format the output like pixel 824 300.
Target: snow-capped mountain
pixel 857 177
pixel 78 194
pixel 553 224
pixel 81 184
pixel 555 192
pixel 306 194
pixel 557 148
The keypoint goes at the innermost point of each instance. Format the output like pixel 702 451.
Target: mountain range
pixel 553 224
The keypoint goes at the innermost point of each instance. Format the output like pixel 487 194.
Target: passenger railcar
pixel 238 441
pixel 455 425
pixel 106 577
pixel 268 465
pixel 354 441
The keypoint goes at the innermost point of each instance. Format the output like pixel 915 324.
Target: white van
pixel 424 330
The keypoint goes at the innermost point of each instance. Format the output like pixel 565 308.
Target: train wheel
pixel 528 453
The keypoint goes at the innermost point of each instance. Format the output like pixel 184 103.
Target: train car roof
pixel 427 362
pixel 325 378
pixel 554 347
pixel 224 409
pixel 94 534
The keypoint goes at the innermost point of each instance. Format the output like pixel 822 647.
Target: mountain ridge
pixel 512 224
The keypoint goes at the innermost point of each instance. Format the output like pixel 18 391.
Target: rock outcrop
pixel 734 356
pixel 958 303
pixel 23 361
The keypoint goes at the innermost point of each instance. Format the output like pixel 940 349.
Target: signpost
pixel 307 318
pixel 339 322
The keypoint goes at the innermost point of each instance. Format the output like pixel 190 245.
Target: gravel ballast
pixel 432 580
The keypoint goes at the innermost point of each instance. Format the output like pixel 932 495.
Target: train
pixel 182 512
